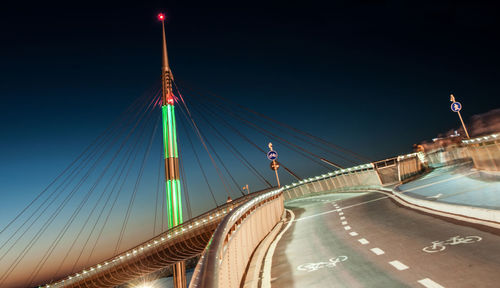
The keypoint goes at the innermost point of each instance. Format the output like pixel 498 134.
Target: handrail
pixel 170 235
pixel 207 271
pixel 230 216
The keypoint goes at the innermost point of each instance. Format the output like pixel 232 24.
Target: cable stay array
pixel 111 197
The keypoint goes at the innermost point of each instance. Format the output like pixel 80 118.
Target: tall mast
pixel 173 184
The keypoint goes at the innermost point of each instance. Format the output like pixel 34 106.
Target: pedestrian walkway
pixel 459 184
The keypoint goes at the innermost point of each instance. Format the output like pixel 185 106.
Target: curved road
pixel 353 240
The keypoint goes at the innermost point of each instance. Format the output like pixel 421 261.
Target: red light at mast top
pixel 161 16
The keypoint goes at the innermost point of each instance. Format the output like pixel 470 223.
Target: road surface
pixel 353 240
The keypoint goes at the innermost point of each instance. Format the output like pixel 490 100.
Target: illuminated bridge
pixel 83 229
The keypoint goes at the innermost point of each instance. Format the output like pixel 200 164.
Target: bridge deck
pixel 382 244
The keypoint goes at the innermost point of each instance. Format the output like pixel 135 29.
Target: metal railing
pixel 169 237
pixel 225 259
pixel 216 267
pixel 362 176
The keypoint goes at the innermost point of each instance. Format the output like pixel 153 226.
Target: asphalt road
pixel 373 242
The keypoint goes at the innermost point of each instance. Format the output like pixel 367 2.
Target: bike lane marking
pixel 429 283
pixel 332 262
pixel 398 265
pixel 438 246
pixel 377 251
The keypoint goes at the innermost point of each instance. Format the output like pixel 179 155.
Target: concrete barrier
pixel 485 152
pixel 362 176
pixel 487 217
pixel 226 257
pixel 366 176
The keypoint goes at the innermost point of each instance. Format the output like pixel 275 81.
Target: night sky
pixel 373 76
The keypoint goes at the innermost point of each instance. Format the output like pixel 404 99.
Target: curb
pixel 475 215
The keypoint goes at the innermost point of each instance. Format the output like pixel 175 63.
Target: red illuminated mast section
pixel 167 77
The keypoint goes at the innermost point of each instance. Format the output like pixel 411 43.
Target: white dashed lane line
pixel 398 265
pixel 377 251
pixel 429 283
pixel 426 282
pixel 363 241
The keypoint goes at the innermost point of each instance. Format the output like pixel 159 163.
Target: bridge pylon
pixel 172 177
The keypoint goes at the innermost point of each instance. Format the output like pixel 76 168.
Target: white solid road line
pixel 398 265
pixel 353 233
pixel 341 213
pixel 347 227
pixel 363 241
pixel 429 283
pixel 268 260
pixel 437 182
pixel 377 251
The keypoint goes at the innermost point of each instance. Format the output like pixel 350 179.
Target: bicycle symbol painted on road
pixel 310 267
pixel 438 246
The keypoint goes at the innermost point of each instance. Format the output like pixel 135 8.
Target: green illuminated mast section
pixel 173 185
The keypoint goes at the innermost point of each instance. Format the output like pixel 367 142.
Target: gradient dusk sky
pixel 372 76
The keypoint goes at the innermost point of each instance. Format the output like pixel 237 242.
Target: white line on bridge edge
pixel 377 251
pixel 429 283
pixel 335 210
pixel 437 182
pixel 353 233
pixel 363 241
pixel 268 260
pixel 398 265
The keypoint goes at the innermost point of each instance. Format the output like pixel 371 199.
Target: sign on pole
pixel 272 155
pixel 274 165
pixel 456 107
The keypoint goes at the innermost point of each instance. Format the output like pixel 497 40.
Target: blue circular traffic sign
pixel 456 106
pixel 272 155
